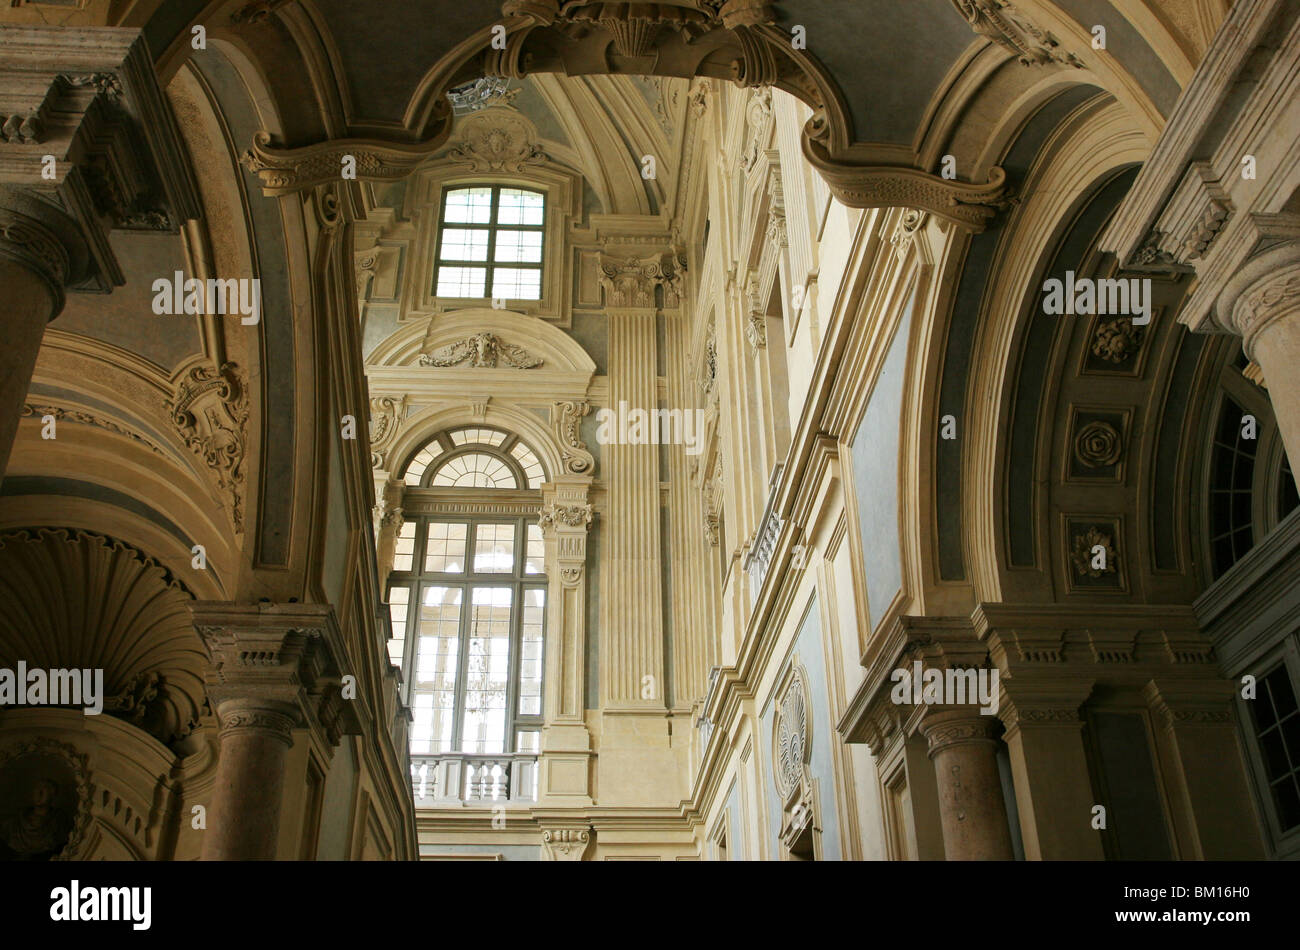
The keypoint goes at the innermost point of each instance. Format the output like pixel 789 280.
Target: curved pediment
pixel 481 351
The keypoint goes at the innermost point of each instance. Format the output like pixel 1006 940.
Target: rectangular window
pixel 474 606
pixel 490 243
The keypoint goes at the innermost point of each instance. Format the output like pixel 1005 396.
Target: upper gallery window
pixel 490 243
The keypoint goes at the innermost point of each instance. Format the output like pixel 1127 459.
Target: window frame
pixel 417 580
pixel 490 265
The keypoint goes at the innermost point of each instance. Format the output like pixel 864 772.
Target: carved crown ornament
pixel 482 350
pixel 496 140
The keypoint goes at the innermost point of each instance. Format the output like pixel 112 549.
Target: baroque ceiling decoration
pixel 71 599
pixel 744 41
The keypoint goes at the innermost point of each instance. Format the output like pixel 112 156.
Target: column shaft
pixel 634 638
pixel 972 810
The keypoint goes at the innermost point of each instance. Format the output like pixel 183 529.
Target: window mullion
pixel 462 671
pixel 492 239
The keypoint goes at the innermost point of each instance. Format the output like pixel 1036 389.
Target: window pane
pixel 494 549
pixel 483 729
pixel 465 245
pixel 415 470
pixel 404 550
pixel 528 741
pixel 461 281
pixel 533 470
pixel 535 556
pixel 435 670
pixel 477 437
pixel 530 656
pixel 516 283
pixel 474 470
pixel 398 602
pixel 521 207
pixel 469 206
pixel 515 247
pixel 444 551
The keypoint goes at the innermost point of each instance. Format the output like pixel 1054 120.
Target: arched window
pixel 467 600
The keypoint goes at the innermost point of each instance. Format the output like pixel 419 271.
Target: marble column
pixel 272 673
pixel 963 747
pixel 244 823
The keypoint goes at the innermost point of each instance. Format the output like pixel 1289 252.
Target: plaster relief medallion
pixel 791 747
pixel 43 796
pixel 1097 445
pixel 1116 346
pixel 1094 559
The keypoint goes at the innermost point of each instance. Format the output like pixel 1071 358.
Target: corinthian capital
pixel 631 281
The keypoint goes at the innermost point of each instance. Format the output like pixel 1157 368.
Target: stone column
pixel 963 747
pixel 566 743
pixel 89 144
pixel 31 300
pixel 1262 303
pixel 272 671
pixel 632 654
pixel 1044 735
pixel 1197 743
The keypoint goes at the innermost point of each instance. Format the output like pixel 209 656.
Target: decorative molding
pixel 1117 340
pixel 791 735
pixel 118 610
pixel 630 282
pixel 257 12
pixel 386 414
pixel 496 140
pixel 566 844
pixel 483 350
pixel 1098 445
pixel 549 517
pixel 1001 22
pixel 210 410
pixel 82 417
pixel 905 231
pixel 566 419
pixel 1081 554
pixel 286 170
pixel 970 205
